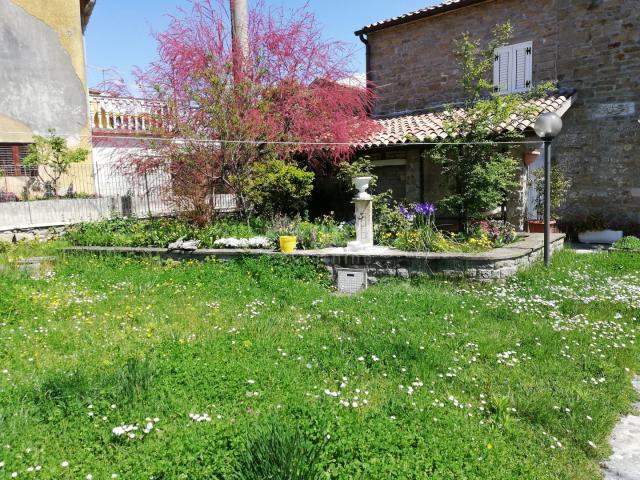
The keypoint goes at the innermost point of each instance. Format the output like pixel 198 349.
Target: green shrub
pixel 278 451
pixel 628 243
pixel 56 157
pixel 388 220
pixel 278 187
pixel 360 167
pixel 480 174
pixel 559 187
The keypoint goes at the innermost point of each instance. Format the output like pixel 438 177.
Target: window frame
pixel 18 152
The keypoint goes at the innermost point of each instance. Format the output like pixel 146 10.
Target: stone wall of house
pixel 399 171
pixel 413 65
pixel 600 144
pixel 591 45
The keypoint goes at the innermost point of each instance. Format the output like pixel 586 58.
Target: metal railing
pixel 125 115
pixel 89 193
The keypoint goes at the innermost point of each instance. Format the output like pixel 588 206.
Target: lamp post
pixel 547 127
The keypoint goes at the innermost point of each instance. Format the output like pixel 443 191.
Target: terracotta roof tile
pixel 428 127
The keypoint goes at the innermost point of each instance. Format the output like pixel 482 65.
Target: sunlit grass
pixel 421 379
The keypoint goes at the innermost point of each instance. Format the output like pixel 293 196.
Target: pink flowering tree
pixel 286 100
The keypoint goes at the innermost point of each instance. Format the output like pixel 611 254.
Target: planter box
pixel 601 236
pixel 537 226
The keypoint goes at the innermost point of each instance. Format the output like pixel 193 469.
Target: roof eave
pixel 86 9
pixel 567 98
pixel 417 16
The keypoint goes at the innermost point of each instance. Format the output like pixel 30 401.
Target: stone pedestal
pixel 364 225
pixel 364 216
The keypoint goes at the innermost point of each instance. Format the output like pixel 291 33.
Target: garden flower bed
pixel 142 367
pixel 410 228
pixel 409 243
pixel 226 232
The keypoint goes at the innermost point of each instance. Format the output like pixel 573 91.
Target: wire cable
pixel 291 143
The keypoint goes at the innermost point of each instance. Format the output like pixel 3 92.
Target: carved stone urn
pixel 362 184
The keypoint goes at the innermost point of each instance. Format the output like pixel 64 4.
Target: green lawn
pixel 258 362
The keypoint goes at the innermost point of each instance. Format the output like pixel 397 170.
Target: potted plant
pixel 287 243
pixel 358 176
pixel 361 184
pixel 284 228
pixel 559 188
pixel 594 229
pixel 530 157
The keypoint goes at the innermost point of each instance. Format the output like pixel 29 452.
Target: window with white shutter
pixel 512 69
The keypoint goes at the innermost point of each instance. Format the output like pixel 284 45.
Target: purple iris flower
pixel 427 209
pixel 406 213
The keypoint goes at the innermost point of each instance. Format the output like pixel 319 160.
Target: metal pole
pixel 547 201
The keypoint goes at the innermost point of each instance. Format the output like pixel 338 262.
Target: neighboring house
pixel 591 47
pixel 121 127
pixel 125 129
pixel 43 84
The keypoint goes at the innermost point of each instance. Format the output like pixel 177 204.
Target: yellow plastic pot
pixel 288 243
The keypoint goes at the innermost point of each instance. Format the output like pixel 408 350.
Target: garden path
pixel 624 463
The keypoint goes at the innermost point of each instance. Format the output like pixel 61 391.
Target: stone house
pixel 590 47
pixel 43 84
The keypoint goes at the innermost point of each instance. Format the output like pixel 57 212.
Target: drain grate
pixel 351 280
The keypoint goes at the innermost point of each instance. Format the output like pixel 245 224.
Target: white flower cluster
pixel 196 417
pixel 510 358
pixel 125 430
pixel 410 389
pixel 255 242
pixel 596 381
pixel 355 399
pixel 555 443
pixel 129 430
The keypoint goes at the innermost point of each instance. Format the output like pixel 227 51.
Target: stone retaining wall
pixel 41 234
pixel 497 264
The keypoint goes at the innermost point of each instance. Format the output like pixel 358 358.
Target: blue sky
pixel 119 34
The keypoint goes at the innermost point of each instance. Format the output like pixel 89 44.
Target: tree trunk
pixel 240 36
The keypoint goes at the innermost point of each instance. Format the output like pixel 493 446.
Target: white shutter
pixel 513 67
pixel 522 54
pixel 501 70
